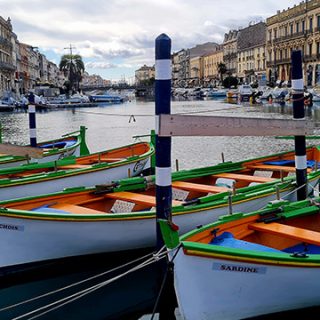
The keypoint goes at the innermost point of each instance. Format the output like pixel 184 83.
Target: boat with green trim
pixel 69 144
pixel 97 168
pixel 248 265
pixel 121 216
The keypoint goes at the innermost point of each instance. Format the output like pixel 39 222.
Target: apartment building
pixel 144 73
pixel 292 29
pixel 230 51
pixel 251 53
pixel 211 62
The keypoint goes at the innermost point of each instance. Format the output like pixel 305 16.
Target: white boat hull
pixel 105 176
pixel 49 158
pixel 35 239
pixel 207 290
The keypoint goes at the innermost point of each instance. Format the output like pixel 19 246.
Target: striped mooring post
pixel 299 113
pixel 163 144
pixel 32 120
pixel 167 298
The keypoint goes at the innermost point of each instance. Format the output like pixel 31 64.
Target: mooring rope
pixel 80 282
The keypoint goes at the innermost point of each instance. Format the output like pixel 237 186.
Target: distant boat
pixel 216 93
pixel 106 97
pixel 70 144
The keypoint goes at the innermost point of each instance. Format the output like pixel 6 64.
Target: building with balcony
pixel 7 69
pixel 211 62
pixel 296 28
pixel 144 74
pixel 251 53
pixel 230 51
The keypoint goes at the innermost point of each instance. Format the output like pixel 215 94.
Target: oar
pixel 10 149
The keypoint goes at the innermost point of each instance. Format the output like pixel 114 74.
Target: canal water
pixel 116 125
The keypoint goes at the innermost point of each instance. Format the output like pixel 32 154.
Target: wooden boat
pixel 98 168
pixel 121 216
pixel 53 150
pixel 249 265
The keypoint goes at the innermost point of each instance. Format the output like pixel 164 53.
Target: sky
pixel 116 37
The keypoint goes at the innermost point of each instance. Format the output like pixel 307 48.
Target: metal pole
pixel 163 144
pixel 299 113
pixel 167 301
pixel 32 121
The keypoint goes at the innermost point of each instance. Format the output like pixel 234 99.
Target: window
pixel 297 27
pixel 310 49
pixel 285 31
pixel 310 24
pixel 318 21
pixel 303 26
pixel 275 33
pixel 318 47
pixel 291 29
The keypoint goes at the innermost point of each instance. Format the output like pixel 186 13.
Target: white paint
pixel 163 177
pixel 157 124
pixel 163 69
pixel 297 84
pixel 31 108
pixel 301 162
pixel 33 133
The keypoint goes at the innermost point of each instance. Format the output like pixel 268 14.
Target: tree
pixel 73 67
pixel 222 69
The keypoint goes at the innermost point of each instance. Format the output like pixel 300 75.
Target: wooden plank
pixel 243 177
pixel 14 150
pixel 267 167
pixel 198 187
pixel 187 125
pixel 136 198
pixel 278 229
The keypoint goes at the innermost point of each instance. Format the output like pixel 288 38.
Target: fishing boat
pixel 121 216
pixel 69 144
pixel 97 168
pixel 249 265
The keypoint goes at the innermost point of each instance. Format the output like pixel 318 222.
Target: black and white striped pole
pixel 167 298
pixel 32 121
pixel 299 113
pixel 163 144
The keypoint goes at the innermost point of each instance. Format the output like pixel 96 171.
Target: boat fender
pixel 299 255
pixel 191 202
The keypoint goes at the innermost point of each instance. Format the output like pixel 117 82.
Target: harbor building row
pixel 259 53
pixel 22 66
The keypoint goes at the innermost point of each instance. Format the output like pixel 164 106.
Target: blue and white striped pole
pixel 163 144
pixel 167 298
pixel 299 113
pixel 32 121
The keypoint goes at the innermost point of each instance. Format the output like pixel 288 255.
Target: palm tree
pixel 73 67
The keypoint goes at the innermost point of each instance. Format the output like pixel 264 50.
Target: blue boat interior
pixel 310 163
pixel 59 144
pixel 45 208
pixel 227 239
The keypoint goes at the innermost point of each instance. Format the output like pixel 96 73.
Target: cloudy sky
pixel 116 37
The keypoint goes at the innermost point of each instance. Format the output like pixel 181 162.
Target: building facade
pixel 251 53
pixel 144 73
pixel 292 29
pixel 230 51
pixel 211 62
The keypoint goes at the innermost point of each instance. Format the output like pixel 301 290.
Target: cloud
pixel 123 32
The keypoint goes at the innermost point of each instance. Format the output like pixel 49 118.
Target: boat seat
pixel 198 187
pixel 102 159
pixel 243 177
pixel 295 233
pixel 74 166
pixel 137 198
pixel 273 168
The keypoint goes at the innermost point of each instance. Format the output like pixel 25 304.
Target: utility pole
pixel 71 62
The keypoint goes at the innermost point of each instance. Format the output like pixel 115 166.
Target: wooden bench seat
pixel 198 187
pixel 136 198
pixel 295 233
pixel 269 167
pixel 74 166
pixel 243 177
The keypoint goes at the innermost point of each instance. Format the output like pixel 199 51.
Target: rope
pixel 78 283
pixel 59 303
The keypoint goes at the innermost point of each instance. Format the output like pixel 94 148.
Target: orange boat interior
pixel 295 235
